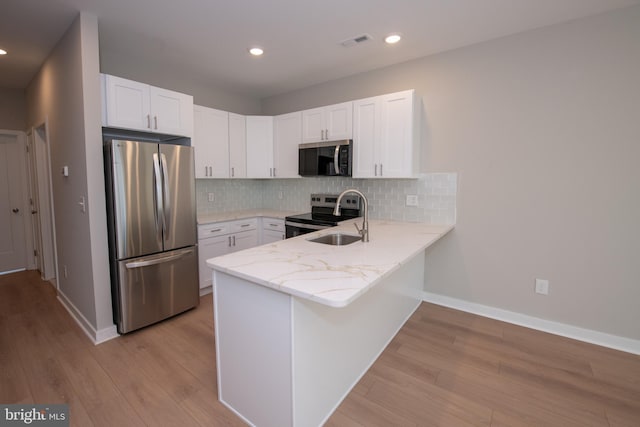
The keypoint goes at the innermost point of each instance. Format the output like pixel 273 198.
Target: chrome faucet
pixel 364 231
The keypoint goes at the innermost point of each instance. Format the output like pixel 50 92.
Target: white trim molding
pixel 587 335
pixel 96 336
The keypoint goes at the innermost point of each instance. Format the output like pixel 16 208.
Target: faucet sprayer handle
pixel 357 228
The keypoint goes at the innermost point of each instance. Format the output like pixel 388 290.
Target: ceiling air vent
pixel 356 40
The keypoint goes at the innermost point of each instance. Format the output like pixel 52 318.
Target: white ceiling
pixel 207 39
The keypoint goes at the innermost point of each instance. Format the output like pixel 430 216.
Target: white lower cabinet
pixel 222 238
pixel 272 230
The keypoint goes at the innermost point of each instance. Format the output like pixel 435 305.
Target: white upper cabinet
pixel 287 135
pixel 385 138
pixel 132 105
pixel 211 142
pixel 237 146
pixel 260 147
pixel 330 123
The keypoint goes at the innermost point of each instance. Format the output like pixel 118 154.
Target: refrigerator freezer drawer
pixel 156 287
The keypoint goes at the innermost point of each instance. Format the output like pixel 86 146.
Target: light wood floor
pixel 444 368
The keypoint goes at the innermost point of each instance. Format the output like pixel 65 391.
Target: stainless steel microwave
pixel 327 158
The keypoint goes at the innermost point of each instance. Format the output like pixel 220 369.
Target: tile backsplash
pixel 387 197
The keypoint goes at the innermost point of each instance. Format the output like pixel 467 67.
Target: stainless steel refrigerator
pixel 152 231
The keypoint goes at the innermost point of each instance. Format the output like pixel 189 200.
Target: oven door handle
pixel 307 226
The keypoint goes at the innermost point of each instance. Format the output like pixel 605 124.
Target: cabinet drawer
pixel 213 230
pixel 243 225
pixel 273 224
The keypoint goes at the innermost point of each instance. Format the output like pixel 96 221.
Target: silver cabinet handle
pixel 234 240
pixel 232 172
pixel 274 172
pixel 375 172
pixel 229 240
pixel 206 171
pixel 273 225
pixel 148 121
pixel 155 121
pixel 215 231
pixel 326 134
pixel 380 169
pixel 210 170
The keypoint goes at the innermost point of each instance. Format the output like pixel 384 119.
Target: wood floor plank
pixel 13 385
pixel 368 412
pixel 515 399
pixel 424 389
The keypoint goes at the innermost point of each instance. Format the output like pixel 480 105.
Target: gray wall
pixel 66 93
pixel 543 129
pixel 12 109
pixel 203 91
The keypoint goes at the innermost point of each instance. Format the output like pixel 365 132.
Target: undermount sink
pixel 336 239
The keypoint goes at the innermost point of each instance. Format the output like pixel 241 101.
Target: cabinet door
pixel 271 236
pixel 339 121
pixel 127 104
pixel 210 248
pixel 237 146
pixel 211 142
pixel 171 112
pixel 396 148
pixel 366 137
pixel 259 146
pixel 244 240
pixel 287 134
pixel 313 125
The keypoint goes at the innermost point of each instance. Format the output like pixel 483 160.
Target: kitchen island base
pixel 288 361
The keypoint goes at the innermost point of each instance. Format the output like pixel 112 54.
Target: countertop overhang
pixel 331 275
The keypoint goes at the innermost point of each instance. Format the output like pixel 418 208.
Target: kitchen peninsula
pixel 297 323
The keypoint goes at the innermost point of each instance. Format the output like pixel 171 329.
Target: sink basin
pixel 336 239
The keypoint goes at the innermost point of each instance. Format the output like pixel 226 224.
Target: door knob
pixel 15 210
pixel 34 212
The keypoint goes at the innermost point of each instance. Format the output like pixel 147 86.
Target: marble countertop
pixel 331 275
pixel 230 216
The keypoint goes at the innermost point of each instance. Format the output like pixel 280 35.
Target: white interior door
pixel 12 209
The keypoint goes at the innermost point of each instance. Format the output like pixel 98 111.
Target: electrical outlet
pixel 211 197
pixel 412 200
pixel 542 286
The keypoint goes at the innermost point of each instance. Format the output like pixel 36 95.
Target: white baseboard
pixel 594 337
pixel 96 336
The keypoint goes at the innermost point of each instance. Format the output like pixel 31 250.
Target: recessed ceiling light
pixel 256 51
pixel 393 38
pixel 3 52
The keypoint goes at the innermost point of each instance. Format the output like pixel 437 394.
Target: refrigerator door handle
pixel 158 197
pixel 167 198
pixel 158 260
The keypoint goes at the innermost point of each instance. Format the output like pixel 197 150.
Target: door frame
pixel 40 182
